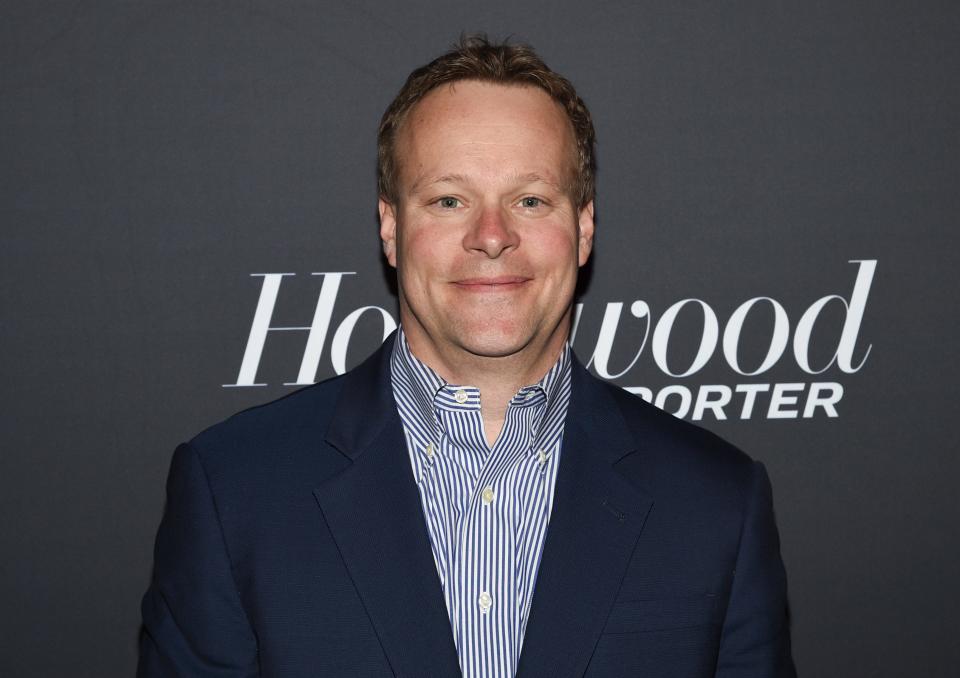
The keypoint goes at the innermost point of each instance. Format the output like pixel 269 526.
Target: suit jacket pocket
pixel 662 614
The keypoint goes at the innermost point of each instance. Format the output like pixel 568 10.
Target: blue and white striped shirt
pixel 486 508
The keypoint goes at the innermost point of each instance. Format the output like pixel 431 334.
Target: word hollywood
pixel 755 399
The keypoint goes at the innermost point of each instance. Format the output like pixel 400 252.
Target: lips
pixel 492 283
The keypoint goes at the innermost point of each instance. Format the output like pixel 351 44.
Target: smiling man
pixel 470 501
pixel 487 234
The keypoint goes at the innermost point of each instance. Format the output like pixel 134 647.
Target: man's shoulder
pixel 671 447
pixel 280 426
pixel 302 432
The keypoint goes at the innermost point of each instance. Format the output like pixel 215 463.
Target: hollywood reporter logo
pixel 751 399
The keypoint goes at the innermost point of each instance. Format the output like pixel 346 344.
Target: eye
pixel 530 202
pixel 448 203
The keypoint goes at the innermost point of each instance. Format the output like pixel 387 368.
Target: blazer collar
pixel 374 513
pixel 366 403
pixel 595 525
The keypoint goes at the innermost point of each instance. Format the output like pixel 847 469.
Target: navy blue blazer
pixel 293 544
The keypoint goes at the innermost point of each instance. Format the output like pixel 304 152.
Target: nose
pixel 491 234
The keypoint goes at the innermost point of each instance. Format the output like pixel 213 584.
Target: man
pixel 470 501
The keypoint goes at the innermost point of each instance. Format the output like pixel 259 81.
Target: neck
pixel 498 377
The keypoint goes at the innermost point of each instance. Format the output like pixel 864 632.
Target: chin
pixel 494 344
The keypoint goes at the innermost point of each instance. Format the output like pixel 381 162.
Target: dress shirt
pixel 486 508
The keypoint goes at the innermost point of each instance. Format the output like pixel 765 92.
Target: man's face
pixel 485 237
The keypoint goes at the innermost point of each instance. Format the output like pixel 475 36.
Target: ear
pixel 585 231
pixel 388 230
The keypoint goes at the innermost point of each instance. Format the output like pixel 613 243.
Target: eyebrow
pixel 533 178
pixel 530 178
pixel 445 179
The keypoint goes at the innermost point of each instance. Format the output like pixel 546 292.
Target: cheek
pixel 555 252
pixel 424 253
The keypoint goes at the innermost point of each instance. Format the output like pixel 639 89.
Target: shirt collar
pixel 431 392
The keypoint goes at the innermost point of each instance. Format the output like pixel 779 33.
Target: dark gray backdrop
pixel 156 157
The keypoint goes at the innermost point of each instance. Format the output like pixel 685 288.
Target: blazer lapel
pixel 374 513
pixel 594 527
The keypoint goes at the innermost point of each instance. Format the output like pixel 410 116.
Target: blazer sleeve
pixel 755 641
pixel 193 621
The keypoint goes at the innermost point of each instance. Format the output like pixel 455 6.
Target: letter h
pixel 261 326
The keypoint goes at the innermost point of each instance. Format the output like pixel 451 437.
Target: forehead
pixel 487 101
pixel 472 123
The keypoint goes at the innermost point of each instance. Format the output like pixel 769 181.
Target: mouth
pixel 503 283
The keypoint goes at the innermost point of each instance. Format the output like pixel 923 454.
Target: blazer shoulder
pixel 680 446
pixel 285 422
pixel 292 437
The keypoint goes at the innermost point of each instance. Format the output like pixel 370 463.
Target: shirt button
pixel 487 495
pixel 485 602
pixel 429 451
pixel 460 396
pixel 542 455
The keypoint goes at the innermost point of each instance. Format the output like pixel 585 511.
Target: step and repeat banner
pixel 189 229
